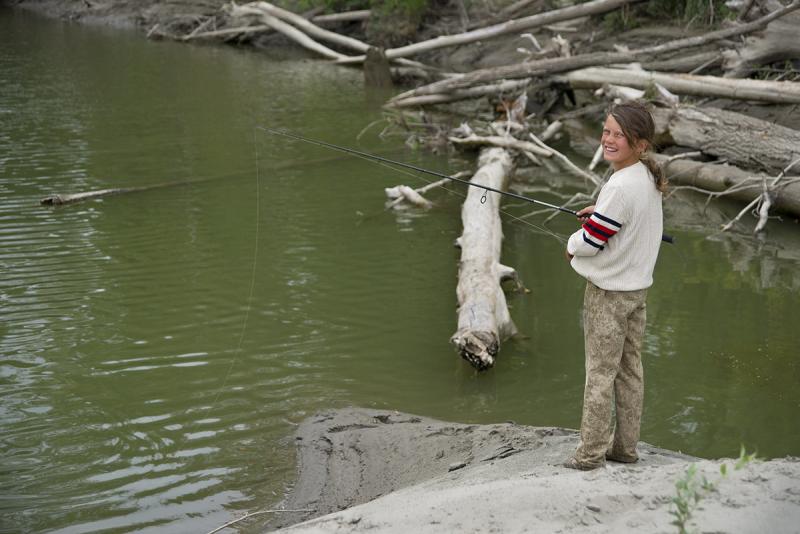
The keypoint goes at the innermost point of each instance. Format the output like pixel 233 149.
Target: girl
pixel 616 251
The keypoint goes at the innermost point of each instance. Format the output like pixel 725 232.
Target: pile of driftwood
pixel 714 151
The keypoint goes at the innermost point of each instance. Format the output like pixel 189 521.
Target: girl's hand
pixel 585 213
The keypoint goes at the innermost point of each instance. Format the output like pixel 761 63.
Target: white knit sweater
pixel 617 247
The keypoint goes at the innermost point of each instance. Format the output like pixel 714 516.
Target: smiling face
pixel 617 150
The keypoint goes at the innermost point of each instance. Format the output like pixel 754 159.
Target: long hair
pixel 637 125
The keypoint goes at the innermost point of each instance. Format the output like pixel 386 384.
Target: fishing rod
pixel 373 157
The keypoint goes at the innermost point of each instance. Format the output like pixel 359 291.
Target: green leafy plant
pixel 692 488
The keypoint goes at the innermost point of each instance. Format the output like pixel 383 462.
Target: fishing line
pixel 249 306
pixel 373 157
pixel 541 229
pixel 393 166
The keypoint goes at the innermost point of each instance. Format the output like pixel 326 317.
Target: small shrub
pixel 691 489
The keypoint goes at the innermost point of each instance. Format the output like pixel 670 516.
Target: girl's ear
pixel 641 146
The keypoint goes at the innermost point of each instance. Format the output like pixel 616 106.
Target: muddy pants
pixel 613 325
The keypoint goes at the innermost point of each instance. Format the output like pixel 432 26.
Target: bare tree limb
pixel 565 161
pixel 593 7
pixel 555 65
pixel 345 16
pixel 502 142
pixel 690 84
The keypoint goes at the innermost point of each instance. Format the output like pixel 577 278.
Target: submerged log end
pixel 477 347
pixel 509 274
pixel 52 200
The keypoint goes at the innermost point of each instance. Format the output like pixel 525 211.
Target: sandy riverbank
pixel 373 470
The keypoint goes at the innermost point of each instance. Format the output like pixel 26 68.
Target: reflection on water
pixel 145 390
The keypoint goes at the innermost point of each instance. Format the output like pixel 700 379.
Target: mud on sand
pixel 382 471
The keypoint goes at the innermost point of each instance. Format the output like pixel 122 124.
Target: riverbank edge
pixel 129 15
pixel 365 469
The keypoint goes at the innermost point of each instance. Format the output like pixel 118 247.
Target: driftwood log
pixel 544 67
pixel 483 317
pixel 742 140
pixel 779 41
pixel 690 63
pixel 688 84
pixel 345 16
pixel 593 7
pixel 400 193
pixel 72 198
pixel 461 94
pixel 739 184
pixel 507 142
pixel 301 31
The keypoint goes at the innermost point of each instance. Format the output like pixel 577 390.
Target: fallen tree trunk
pixel 779 41
pixel 483 316
pixel 742 140
pixel 71 198
pixel 593 7
pixel 686 63
pixel 285 28
pixel 507 142
pixel 461 94
pixel 542 67
pixel 743 185
pixel 688 84
pixel 227 32
pixel 299 29
pixel 402 192
pixel 262 8
pixel 345 16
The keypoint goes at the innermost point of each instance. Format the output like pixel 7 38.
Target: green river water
pixel 158 348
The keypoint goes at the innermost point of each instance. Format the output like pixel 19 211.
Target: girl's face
pixel 616 149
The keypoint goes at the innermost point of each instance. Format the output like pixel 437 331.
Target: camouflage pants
pixel 613 324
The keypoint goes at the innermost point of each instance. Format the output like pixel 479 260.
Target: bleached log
pixel 439 183
pixel 414 198
pixel 567 163
pixel 779 41
pixel 463 94
pixel 200 28
pixel 60 199
pixel 507 142
pixel 744 186
pixel 286 29
pixel 593 7
pixel 345 16
pixel 688 84
pixel 483 317
pixel 227 32
pixel 290 24
pixel 542 67
pixel 686 62
pixel 742 140
pixel 552 129
pixel 596 158
pixel 309 27
pixel 400 193
pixel 764 201
pixel 396 194
pixel 763 210
pixel 619 92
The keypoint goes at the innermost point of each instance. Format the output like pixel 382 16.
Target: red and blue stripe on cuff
pixel 598 229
